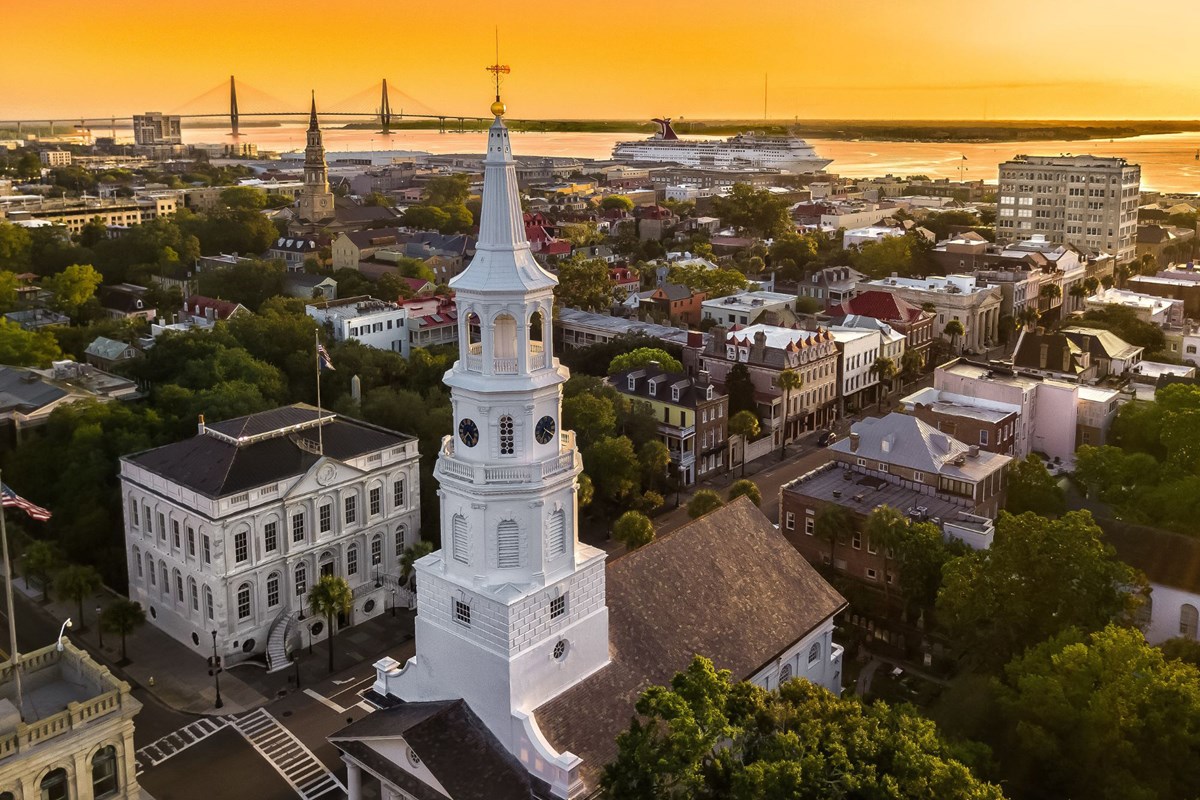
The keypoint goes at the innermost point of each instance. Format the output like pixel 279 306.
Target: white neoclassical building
pixel 547 646
pixel 229 530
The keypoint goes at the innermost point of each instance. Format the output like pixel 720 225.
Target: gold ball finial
pixel 498 108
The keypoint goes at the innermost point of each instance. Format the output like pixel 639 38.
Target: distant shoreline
pixel 844 130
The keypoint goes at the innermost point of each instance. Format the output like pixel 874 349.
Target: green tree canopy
pixel 1104 716
pixel 1039 577
pixel 250 197
pixel 583 283
pixel 15 247
pixel 708 737
pixel 1031 487
pixel 616 201
pixel 74 287
pixel 614 469
pixel 22 348
pixel 633 529
pixel 330 597
pixel 758 212
pixel 592 417
pixel 703 502
pixel 740 387
pixel 77 582
pixel 714 282
pixel 123 618
pixel 641 357
pixel 890 254
pixel 747 488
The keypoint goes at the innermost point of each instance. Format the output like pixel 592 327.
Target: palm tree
pixel 744 424
pixel 789 382
pixel 1078 292
pixel 123 617
pixel 884 528
pixel 954 329
pixel 78 583
pixel 885 370
pixel 1091 284
pixel 38 562
pixel 831 524
pixel 412 555
pixel 910 364
pixel 330 597
pixel 1029 315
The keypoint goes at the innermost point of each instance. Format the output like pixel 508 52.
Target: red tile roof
pixel 882 305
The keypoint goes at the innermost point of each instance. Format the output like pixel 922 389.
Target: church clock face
pixel 544 431
pixel 468 431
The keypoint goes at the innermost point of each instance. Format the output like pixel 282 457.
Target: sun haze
pixel 935 59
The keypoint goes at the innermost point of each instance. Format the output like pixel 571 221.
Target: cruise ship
pixel 744 150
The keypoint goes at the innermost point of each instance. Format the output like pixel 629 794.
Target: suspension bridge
pixel 377 102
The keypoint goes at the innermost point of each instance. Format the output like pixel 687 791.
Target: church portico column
pixel 353 781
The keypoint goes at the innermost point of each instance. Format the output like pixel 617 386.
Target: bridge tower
pixel 385 111
pixel 233 109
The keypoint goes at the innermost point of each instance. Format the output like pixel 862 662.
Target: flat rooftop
pixel 862 492
pixel 52 681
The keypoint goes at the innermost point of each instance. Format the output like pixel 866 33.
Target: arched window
pixel 7 796
pixel 208 602
pixel 301 579
pixel 352 560
pixel 150 570
pixel 785 674
pixel 535 326
pixel 166 578
pixel 137 562
pixel 273 590
pixel 1188 618
pixel 194 593
pixel 814 652
pixel 55 785
pixel 243 601
pixel 104 772
pixel 508 545
pixel 178 585
pixel 376 550
pixel 504 341
pixel 507 439
pixel 458 539
pixel 556 535
pixel 401 536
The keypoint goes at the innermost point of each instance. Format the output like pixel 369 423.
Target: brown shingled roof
pixel 728 586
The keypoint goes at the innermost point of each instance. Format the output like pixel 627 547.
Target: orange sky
pixel 923 59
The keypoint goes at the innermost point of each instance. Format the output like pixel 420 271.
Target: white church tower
pixel 511 611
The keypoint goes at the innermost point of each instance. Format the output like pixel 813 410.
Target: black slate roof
pixel 451 742
pixel 215 467
pixel 26 390
pixel 728 586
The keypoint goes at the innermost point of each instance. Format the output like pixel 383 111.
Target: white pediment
pixel 323 475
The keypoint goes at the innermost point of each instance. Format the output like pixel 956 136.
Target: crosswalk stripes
pixel 160 750
pixel 287 754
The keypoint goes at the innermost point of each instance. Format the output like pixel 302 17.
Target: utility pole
pixel 215 670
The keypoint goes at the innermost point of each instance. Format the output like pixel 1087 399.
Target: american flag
pixel 323 359
pixel 11 499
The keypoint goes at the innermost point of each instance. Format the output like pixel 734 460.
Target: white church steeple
pixel 511 611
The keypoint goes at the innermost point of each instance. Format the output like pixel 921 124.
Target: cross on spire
pixel 497 70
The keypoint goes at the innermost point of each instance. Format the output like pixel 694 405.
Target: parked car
pixel 826 438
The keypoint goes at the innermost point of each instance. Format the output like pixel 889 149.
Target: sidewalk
pixel 174 674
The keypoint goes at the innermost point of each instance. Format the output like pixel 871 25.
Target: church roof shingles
pixel 727 586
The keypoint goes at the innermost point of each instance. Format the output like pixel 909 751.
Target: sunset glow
pixel 936 59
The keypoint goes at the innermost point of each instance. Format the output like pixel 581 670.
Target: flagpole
pixel 320 422
pixel 14 656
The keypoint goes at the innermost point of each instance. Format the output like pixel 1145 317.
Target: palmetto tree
pixel 412 555
pixel 885 370
pixel 123 617
pixel 78 582
pixel 330 597
pixel 832 523
pixel 955 330
pixel 1028 316
pixel 789 382
pixel 744 424
pixel 885 528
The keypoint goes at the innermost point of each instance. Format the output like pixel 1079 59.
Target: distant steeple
pixel 312 119
pixel 316 201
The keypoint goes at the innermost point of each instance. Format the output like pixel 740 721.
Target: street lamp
pixel 215 670
pixel 61 631
pixel 296 664
pixel 99 627
pixel 393 601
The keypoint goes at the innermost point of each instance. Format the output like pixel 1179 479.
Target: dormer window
pixel 674 394
pixel 708 393
pixel 632 383
pixel 653 387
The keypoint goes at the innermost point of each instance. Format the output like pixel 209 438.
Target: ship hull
pixel 792 155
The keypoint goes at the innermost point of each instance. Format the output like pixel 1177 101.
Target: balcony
pixel 490 475
pixel 474 360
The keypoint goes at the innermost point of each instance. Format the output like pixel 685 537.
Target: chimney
pixel 973 451
pixel 695 339
pixel 854 437
pixel 703 377
pixel 200 425
pixel 1044 356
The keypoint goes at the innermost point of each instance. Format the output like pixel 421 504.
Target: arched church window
pixel 785 674
pixel 458 539
pixel 508 545
pixel 814 652
pixel 556 535
pixel 504 337
pixel 535 327
pixel 104 772
pixel 507 437
pixel 55 786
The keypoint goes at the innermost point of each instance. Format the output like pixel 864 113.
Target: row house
pixel 900 315
pixel 831 286
pixel 765 351
pixel 901 462
pixel 692 417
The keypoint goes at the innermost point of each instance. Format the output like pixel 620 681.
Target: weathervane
pixel 497 70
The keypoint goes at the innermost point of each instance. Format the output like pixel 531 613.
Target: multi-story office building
pixel 155 128
pixel 1086 201
pixel 229 531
